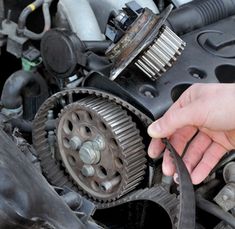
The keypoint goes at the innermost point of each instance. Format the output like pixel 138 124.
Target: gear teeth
pixel 161 54
pixel 132 153
pixel 115 118
pixel 87 97
pixel 157 194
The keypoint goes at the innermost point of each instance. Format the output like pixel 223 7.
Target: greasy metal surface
pixel 122 159
pixel 53 171
pixel 131 40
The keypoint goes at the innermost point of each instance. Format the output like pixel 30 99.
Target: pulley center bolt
pixel 89 153
pixel 75 143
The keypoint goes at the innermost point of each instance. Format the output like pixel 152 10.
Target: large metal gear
pixel 100 148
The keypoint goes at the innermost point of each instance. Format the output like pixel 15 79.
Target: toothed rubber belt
pixel 186 214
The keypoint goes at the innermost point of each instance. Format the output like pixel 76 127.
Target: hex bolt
pixel 75 143
pixel 88 171
pixel 107 186
pixel 149 94
pixel 51 137
pixel 50 115
pixel 89 154
pixel 99 142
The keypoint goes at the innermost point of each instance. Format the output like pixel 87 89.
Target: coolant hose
pixel 97 46
pixel 215 210
pixel 47 23
pixel 26 12
pixel 198 14
pixel 11 94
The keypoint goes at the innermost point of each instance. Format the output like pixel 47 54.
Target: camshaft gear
pixel 101 148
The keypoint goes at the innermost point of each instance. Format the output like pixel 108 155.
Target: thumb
pixel 173 119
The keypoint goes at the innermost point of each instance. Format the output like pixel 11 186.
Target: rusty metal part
pixel 121 52
pixel 131 40
pixel 118 160
pixel 138 38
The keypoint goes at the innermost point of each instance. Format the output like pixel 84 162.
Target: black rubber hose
pixel 215 210
pixel 97 46
pixel 200 13
pixel 47 23
pixel 23 125
pixel 15 84
pixel 26 12
pixel 2 12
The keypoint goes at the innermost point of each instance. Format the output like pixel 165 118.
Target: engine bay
pixel 81 80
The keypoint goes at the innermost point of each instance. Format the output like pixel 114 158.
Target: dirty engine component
pixel 146 41
pixel 81 80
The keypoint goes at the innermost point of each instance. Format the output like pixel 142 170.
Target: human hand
pixel 204 110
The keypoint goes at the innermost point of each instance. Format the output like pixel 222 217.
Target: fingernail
pixel 176 178
pixel 154 130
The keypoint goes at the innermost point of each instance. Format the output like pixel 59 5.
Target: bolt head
pixel 99 143
pixel 75 143
pixel 88 154
pixel 88 171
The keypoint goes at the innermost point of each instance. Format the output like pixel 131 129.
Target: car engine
pixel 81 80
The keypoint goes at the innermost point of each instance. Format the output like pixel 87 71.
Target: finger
pixel 196 150
pixel 210 158
pixel 155 148
pixel 168 166
pixel 224 138
pixel 172 120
